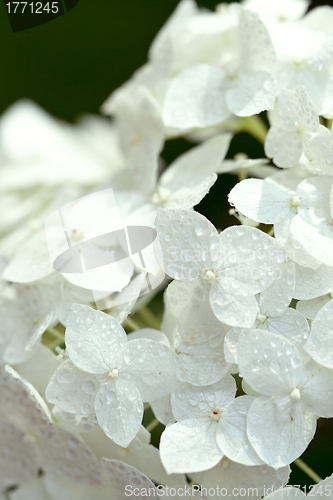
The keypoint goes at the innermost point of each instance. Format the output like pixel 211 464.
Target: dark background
pixel 71 65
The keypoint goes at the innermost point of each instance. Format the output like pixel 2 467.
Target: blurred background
pixel 70 66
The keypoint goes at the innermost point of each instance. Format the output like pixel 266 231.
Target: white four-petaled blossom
pixel 108 376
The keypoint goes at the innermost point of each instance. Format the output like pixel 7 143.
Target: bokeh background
pixel 70 66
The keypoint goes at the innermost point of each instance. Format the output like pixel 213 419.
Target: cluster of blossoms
pixel 241 366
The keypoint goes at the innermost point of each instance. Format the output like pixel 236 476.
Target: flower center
pixel 261 318
pixel 215 414
pixel 298 63
pixel 113 374
pixel 209 276
pixel 295 201
pixel 296 394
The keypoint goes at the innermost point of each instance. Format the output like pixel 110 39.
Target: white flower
pixel 195 334
pixel 274 314
pixel 204 94
pixel 301 218
pixel 304 55
pixel 108 376
pixel 231 267
pixel 295 391
pixel 191 444
pixel 292 129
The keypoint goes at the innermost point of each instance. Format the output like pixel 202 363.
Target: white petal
pixel 250 256
pixel 260 201
pixel 277 297
pixel 204 362
pixel 26 317
pixel 119 411
pixel 315 192
pixel 190 177
pixel 124 479
pixel 60 452
pixel 162 410
pixel 198 402
pixel 231 435
pixel 229 475
pixel 307 113
pixel 195 98
pixel 18 460
pixel 34 490
pixel 32 261
pixel 189 305
pixel 257 50
pixel 311 284
pixel 317 389
pixel 270 363
pixel 151 334
pixel 31 415
pixel 72 390
pixel 39 369
pixel 318 151
pixel 184 236
pixel 251 93
pixel 312 229
pixel 139 454
pixel 285 146
pixel 295 251
pixel 141 131
pixel 320 343
pixel 278 430
pixel 93 339
pixel 72 490
pixel 309 308
pixel 292 325
pixel 152 367
pixel 190 446
pixel 231 345
pixel 65 454
pixel 233 303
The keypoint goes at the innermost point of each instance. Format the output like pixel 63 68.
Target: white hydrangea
pixel 236 360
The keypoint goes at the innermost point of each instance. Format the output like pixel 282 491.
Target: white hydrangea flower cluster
pixel 240 367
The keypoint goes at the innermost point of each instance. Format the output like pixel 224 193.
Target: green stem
pixel 146 406
pixel 241 174
pixel 149 318
pixel 56 333
pixel 255 126
pixel 305 468
pixel 130 323
pixel 152 425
